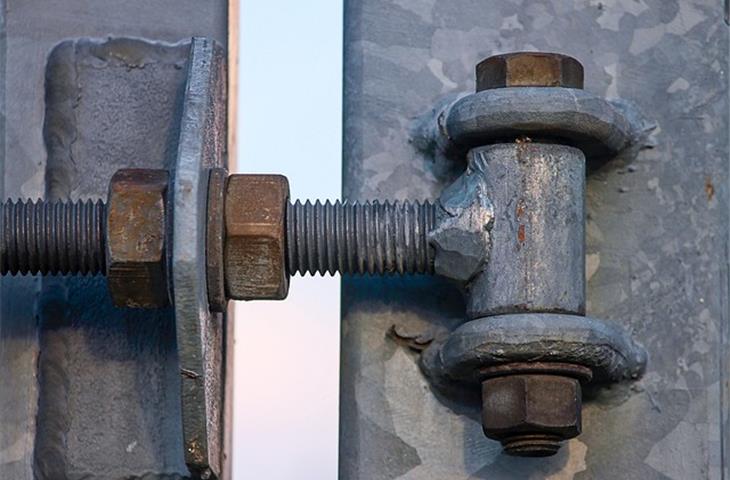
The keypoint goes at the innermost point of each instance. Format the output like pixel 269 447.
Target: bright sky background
pixel 287 353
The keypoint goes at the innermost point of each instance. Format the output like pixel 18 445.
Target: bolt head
pixel 136 226
pixel 531 404
pixel 529 69
pixel 255 239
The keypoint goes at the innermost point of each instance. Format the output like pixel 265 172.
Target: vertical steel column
pixel 89 390
pixel 656 236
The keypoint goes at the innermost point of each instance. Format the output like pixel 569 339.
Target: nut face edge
pixel 531 404
pixel 529 69
pixel 255 240
pixel 136 222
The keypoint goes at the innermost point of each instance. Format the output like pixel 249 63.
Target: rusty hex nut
pixel 136 236
pixel 255 239
pixel 529 69
pixel 537 405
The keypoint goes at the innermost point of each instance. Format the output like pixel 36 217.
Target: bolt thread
pixel 53 237
pixel 358 238
pixel 532 445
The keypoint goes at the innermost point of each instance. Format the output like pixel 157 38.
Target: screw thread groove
pixel 53 237
pixel 532 445
pixel 358 238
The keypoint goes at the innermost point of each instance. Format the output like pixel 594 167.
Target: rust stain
pixel 520 210
pixel 523 148
pixel 709 189
pixel 519 213
pixel 195 451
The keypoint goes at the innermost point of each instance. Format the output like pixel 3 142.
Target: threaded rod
pixel 358 238
pixel 53 237
pixel 350 238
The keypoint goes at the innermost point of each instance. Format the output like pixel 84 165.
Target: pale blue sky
pixel 287 353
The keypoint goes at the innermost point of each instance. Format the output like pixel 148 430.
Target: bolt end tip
pixel 532 445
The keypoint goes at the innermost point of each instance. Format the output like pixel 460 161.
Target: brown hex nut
pixel 136 237
pixel 529 69
pixel 255 241
pixel 531 413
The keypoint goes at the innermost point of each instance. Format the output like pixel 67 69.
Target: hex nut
pixel 533 404
pixel 136 237
pixel 255 241
pixel 529 69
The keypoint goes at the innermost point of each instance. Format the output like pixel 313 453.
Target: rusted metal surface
pixel 531 414
pixel 584 374
pixel 255 249
pixel 529 69
pixel 136 225
pixel 215 240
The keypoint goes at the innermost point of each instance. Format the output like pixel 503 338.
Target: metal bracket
pixel 527 148
pixel 200 332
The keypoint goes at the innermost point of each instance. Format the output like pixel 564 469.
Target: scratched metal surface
pixel 657 235
pixel 89 391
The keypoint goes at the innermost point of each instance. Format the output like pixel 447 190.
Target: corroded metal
pixel 530 414
pixel 136 247
pixel 584 374
pixel 529 69
pixel 255 251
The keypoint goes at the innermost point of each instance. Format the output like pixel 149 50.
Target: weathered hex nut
pixel 255 239
pixel 136 225
pixel 529 69
pixel 531 404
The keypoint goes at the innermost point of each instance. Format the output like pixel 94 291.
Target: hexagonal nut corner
pixel 461 236
pixel 529 69
pixel 136 238
pixel 255 241
pixel 531 404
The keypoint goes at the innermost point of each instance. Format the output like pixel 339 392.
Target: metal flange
pixel 200 333
pixel 606 349
pixel 600 128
